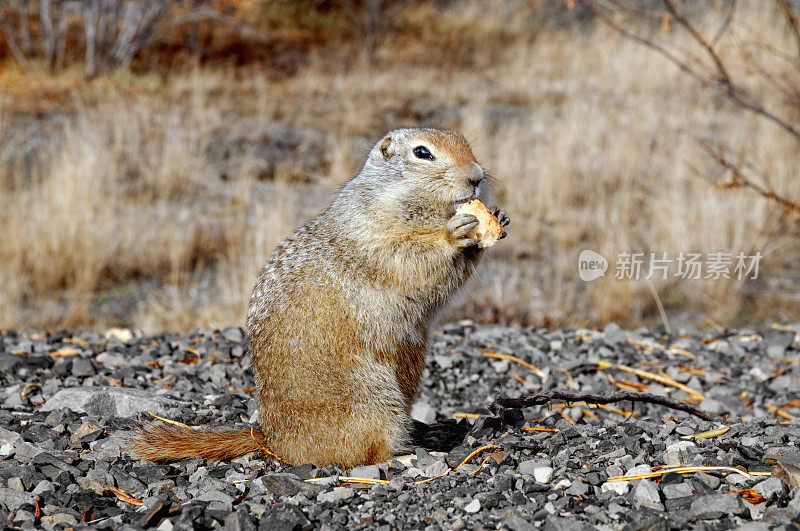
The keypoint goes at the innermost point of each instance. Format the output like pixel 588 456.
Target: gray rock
pixel 445 361
pixel 473 507
pixel 518 523
pixel 164 486
pixel 239 520
pixel 710 481
pixel 285 516
pixel 108 449
pixel 423 412
pixel 638 470
pixel 43 486
pixel 233 333
pixel 215 495
pixel 771 488
pixel 87 483
pixel 60 518
pixel 680 446
pixel 543 474
pixel 301 471
pixel 578 488
pixel 717 506
pixel 366 471
pixel 784 454
pixel 794 499
pixel 646 495
pixel 336 495
pixel 776 516
pixel 109 401
pixel 12 499
pixel 15 483
pixel 12 442
pixel 678 490
pixel 85 429
pixel 284 484
pixel 435 469
pixel 620 487
pixel 753 526
pixel 82 367
pixel 527 467
pixel 776 342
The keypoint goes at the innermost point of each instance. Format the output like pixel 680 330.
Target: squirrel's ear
pixel 386 147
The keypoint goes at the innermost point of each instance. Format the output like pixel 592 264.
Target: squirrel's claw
pixel 500 215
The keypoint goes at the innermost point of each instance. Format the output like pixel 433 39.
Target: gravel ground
pixel 68 397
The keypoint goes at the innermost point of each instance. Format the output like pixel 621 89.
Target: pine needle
pixel 173 422
pixel 533 368
pixel 366 481
pixel 688 470
pixel 471 456
pixel 778 411
pixel 697 396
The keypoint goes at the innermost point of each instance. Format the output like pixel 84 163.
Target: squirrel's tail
pixel 165 442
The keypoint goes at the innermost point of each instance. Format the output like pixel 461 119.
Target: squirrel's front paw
pixel 501 218
pixel 459 228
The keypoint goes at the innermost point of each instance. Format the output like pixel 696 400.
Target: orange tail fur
pixel 163 442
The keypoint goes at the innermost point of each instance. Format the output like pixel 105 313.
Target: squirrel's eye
pixel 421 152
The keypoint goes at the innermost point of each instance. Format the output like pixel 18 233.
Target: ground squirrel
pixel 339 316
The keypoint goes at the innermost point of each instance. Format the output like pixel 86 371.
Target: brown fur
pixel 339 315
pixel 408 359
pixel 164 442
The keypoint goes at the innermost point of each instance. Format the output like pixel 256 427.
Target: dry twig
pixel 533 368
pixel 712 69
pixel 503 404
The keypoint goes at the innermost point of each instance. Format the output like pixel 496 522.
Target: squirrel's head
pixel 421 175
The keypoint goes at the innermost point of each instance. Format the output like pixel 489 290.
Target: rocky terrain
pixel 68 398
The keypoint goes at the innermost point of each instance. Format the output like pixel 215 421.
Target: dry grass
pixel 123 216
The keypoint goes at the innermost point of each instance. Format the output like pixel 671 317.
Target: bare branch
pixel 719 77
pixel 603 17
pixel 738 179
pixel 791 20
pixel 726 22
pixel 502 404
pixel 722 72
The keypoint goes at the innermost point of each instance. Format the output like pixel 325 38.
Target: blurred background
pixel 152 153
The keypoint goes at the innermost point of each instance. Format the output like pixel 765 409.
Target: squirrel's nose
pixel 474 174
